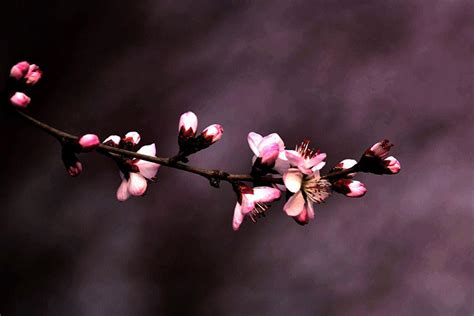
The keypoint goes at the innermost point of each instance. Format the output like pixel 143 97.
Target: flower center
pixel 258 211
pixel 304 150
pixel 316 189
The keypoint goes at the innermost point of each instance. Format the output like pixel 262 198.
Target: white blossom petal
pixel 149 150
pixel 147 169
pixel 265 194
pixel 293 179
pixel 136 184
pixel 122 191
pixel 254 140
pixel 238 217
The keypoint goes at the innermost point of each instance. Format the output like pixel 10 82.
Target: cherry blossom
pixel 33 75
pixel 253 202
pixel 305 159
pixel 306 189
pixel 187 126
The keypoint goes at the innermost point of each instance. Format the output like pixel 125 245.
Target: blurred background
pixel 343 73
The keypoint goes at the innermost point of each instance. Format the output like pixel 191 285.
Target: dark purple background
pixel 343 73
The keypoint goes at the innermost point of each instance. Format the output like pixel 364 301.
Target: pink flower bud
pixel 188 124
pixel 392 165
pixel 112 140
pixel 89 142
pixel 20 99
pixel 380 149
pixel 74 170
pixel 350 188
pixel 132 137
pixel 19 70
pixel 213 133
pixel 34 75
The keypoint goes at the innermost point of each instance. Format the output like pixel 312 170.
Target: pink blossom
pixel 134 182
pixel 20 99
pixel 213 133
pixel 188 124
pixel 253 202
pixel 269 149
pixel 33 75
pixel 392 165
pixel 306 189
pixel 307 160
pixel 89 141
pixel 350 188
pixel 19 70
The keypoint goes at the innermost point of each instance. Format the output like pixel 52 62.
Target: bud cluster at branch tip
pixel 24 75
pixel 188 142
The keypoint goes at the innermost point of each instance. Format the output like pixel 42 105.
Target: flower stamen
pixel 316 189
pixel 258 211
pixel 304 150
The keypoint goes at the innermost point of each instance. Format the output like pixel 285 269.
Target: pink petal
pixel 147 169
pixel 254 140
pixel 346 164
pixel 293 179
pixel 281 163
pixel 310 210
pixel 316 162
pixel 34 75
pixel 393 165
pixel 238 217
pixel 270 140
pixel 122 192
pixel 295 205
pixel 148 150
pixel 303 217
pixel 265 194
pixel 269 154
pixel 136 184
pixel 248 203
pixel 294 158
pixel 357 189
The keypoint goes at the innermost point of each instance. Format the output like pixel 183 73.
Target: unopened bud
pixel 132 137
pixel 34 75
pixel 88 142
pixel 19 70
pixel 213 133
pixel 350 188
pixel 187 125
pixel 392 165
pixel 20 99
pixel 112 140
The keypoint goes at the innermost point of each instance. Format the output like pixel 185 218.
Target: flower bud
pixel 112 140
pixel 350 188
pixel 132 137
pixel 33 75
pixel 380 149
pixel 187 124
pixel 213 133
pixel 20 99
pixel 71 162
pixel 19 70
pixel 392 165
pixel 88 142
pixel 344 165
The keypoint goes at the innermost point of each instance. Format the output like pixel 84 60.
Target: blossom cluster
pixel 302 183
pixel 275 171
